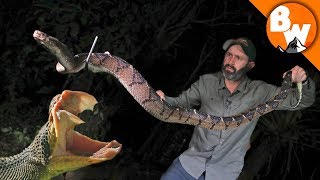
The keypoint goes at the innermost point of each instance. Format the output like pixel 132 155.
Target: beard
pixel 234 75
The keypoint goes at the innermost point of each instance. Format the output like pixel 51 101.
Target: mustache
pixel 232 67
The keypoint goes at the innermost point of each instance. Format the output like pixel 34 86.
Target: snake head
pixel 71 150
pixel 287 81
pixel 67 63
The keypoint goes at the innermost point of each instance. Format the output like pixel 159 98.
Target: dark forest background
pixel 171 43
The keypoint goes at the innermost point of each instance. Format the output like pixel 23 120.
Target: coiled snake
pixel 145 95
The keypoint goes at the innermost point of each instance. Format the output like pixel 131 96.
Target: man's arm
pixel 187 99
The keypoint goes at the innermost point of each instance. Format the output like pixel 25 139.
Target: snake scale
pixel 145 95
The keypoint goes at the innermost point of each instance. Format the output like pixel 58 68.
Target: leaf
pixel 6 130
pixel 46 90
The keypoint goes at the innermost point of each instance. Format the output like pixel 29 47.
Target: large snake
pixel 145 95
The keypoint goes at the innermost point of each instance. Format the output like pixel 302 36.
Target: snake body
pixel 146 96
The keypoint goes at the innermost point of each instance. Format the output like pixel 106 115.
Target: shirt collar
pixel 221 81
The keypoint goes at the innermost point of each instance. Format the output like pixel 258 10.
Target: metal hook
pixel 90 52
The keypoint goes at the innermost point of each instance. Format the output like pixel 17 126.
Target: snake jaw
pixel 66 62
pixel 60 68
pixel 70 150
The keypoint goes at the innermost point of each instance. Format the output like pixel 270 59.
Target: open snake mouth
pixel 69 148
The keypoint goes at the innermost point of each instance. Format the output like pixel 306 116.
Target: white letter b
pixel 279 19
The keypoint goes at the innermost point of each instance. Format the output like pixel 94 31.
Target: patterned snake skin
pixel 31 162
pixel 145 95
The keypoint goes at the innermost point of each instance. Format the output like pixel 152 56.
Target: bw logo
pixel 291 28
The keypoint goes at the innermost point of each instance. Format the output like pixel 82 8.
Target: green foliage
pixel 14 140
pixel 21 137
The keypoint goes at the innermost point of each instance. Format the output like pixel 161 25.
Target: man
pixel 219 155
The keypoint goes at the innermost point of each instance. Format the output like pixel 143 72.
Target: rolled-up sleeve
pixel 188 98
pixel 308 96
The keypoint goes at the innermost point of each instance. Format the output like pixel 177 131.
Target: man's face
pixel 236 63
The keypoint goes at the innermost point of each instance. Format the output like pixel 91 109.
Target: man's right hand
pixel 161 94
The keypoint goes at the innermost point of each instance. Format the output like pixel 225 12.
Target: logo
pixel 291 28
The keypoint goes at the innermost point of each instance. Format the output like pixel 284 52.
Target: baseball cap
pixel 246 44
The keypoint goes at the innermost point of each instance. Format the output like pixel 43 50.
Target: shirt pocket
pixel 241 106
pixel 212 105
pixel 235 105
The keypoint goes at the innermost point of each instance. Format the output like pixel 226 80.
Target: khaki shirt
pixel 221 153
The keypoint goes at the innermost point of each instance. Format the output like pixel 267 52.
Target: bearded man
pixel 219 155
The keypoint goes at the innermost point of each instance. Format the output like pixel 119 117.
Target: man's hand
pixel 161 94
pixel 298 74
